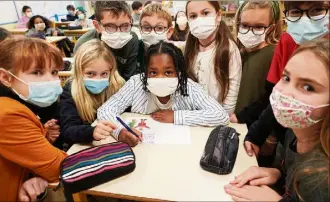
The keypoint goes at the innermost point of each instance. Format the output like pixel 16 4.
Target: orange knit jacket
pixel 24 149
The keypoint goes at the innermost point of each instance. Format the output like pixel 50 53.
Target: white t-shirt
pixel 204 71
pixel 155 105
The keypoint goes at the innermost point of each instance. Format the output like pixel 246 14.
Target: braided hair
pixel 179 64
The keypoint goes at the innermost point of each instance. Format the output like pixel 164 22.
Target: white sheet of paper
pixel 160 133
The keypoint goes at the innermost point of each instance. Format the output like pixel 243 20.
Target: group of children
pixel 219 78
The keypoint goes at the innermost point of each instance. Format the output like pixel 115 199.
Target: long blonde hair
pixel 275 17
pixel 86 102
pixel 321 50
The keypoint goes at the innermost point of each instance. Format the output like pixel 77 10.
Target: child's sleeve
pixel 129 69
pixel 283 52
pixel 117 104
pixel 73 129
pixel 235 74
pixel 30 33
pixel 207 112
pixel 23 143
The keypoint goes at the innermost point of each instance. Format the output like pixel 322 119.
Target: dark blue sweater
pixel 73 128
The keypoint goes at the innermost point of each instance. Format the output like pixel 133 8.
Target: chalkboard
pixel 45 8
pixel 8 12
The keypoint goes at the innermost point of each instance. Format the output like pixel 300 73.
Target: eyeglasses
pixel 158 29
pixel 314 13
pixel 112 28
pixel 256 30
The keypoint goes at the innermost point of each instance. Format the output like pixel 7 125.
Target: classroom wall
pixel 8 12
pixel 11 11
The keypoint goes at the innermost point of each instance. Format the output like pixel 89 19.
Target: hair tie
pixel 276 9
pixel 274 4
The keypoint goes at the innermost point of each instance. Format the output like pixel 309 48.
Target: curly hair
pixel 179 64
pixel 47 22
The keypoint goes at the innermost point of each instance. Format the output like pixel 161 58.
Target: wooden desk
pixel 18 31
pixel 62 24
pixel 171 172
pixel 54 39
pixel 77 32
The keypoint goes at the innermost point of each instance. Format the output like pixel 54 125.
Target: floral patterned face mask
pixel 292 113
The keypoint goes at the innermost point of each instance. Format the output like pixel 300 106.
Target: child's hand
pixel 55 33
pixel 251 149
pixel 164 116
pixel 257 176
pixel 233 118
pixel 53 130
pixel 252 193
pixel 31 189
pixel 103 129
pixel 129 138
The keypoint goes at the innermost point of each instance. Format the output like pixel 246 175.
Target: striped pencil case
pixel 96 165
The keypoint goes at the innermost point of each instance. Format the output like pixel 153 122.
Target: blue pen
pixel 126 126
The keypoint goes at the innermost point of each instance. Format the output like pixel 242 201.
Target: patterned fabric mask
pixel 292 113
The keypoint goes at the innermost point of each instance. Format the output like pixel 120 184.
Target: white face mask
pixel 162 87
pixel 81 16
pixel 40 26
pixel 43 93
pixel 181 20
pixel 202 27
pixel 250 40
pixel 116 40
pixel 29 14
pixel 153 38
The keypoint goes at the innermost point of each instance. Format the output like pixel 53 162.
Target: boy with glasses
pixel 155 26
pixel 113 26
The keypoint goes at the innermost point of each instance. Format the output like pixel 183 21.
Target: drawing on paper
pixel 132 123
pixel 154 132
pixel 142 125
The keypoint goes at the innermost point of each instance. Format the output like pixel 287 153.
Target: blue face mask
pixel 306 29
pixel 96 86
pixel 42 94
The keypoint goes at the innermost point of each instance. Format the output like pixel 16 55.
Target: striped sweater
pixel 196 109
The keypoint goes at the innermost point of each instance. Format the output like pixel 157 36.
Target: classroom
pixel 164 101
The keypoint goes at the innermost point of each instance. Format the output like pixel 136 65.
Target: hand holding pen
pixel 128 135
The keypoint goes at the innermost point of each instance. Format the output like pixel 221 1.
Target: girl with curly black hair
pixel 41 27
pixel 166 93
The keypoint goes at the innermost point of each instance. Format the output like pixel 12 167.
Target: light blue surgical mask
pixel 42 94
pixel 306 29
pixel 96 86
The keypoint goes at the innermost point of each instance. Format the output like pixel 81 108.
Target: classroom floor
pixel 58 196
pixel 53 196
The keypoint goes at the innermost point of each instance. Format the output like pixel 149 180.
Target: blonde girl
pixel 94 80
pixel 300 101
pixel 258 26
pixel 211 55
